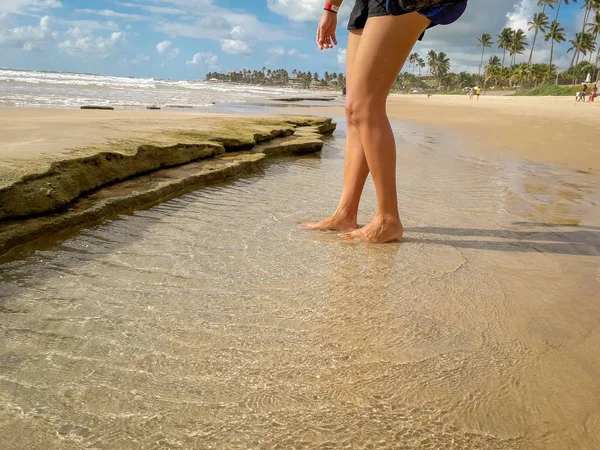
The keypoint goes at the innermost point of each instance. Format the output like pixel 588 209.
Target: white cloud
pixel 236 47
pixel 280 52
pixel 305 10
pixel 110 13
pixel 28 6
pixel 238 33
pixel 205 20
pixel 78 32
pixel 161 10
pixel 90 46
pixel 341 56
pixel 87 26
pixel 140 58
pixel 165 48
pixel 208 59
pixel 296 53
pixel 4 21
pixel 521 15
pixel 277 51
pixel 295 10
pixel 28 37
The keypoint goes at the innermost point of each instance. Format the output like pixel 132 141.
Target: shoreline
pixel 552 130
pixel 62 169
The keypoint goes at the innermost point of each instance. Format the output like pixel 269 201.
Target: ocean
pixel 39 89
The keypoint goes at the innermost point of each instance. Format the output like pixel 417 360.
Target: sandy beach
pixel 555 130
pixel 194 312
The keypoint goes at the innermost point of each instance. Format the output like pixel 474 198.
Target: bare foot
pixel 378 231
pixel 332 223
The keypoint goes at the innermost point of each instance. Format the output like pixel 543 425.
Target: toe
pixel 351 235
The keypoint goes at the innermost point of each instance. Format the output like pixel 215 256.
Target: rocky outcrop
pixel 125 175
pixel 40 193
pixel 102 108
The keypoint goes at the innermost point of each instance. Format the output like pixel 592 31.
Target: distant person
pixel 378 45
pixel 478 92
pixel 593 93
pixel 583 94
pixel 471 93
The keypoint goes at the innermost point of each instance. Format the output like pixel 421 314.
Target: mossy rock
pixel 43 186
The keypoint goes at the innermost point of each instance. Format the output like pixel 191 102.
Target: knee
pixel 353 112
pixel 359 112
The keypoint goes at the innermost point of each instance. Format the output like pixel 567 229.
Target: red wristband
pixel 331 7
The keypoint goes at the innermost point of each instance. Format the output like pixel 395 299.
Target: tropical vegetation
pixel 433 70
pixel 281 77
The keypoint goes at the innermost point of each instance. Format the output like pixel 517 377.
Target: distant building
pixel 294 82
pixel 425 77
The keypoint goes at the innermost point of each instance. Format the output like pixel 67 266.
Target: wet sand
pixel 555 130
pixel 213 321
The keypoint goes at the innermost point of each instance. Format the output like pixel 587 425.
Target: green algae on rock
pixel 137 173
pixel 64 180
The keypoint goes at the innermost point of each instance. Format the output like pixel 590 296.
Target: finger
pixel 319 37
pixel 322 41
pixel 334 39
pixel 328 42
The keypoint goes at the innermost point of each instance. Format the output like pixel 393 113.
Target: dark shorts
pixel 441 15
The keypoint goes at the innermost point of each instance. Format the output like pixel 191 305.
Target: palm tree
pixel 431 56
pixel 544 3
pixel 594 28
pixel 412 59
pixel 440 66
pixel 504 40
pixel 540 22
pixel 421 64
pixel 589 6
pixel 583 43
pixel 556 34
pixel 517 45
pixel 559 3
pixel 485 41
pixel 494 61
pixel 519 73
pixel 537 73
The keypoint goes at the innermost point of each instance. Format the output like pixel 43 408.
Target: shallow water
pixel 213 321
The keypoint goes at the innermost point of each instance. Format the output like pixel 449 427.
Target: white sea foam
pixel 23 88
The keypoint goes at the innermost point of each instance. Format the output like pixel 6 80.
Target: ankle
pixel 348 214
pixel 388 218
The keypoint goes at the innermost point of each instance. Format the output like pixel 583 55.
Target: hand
pixel 326 30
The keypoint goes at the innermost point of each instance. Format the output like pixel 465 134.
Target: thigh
pixel 385 44
pixel 353 44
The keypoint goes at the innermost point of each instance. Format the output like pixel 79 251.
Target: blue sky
pixel 183 39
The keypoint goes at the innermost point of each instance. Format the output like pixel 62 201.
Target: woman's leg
pixel 355 163
pixel 384 46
